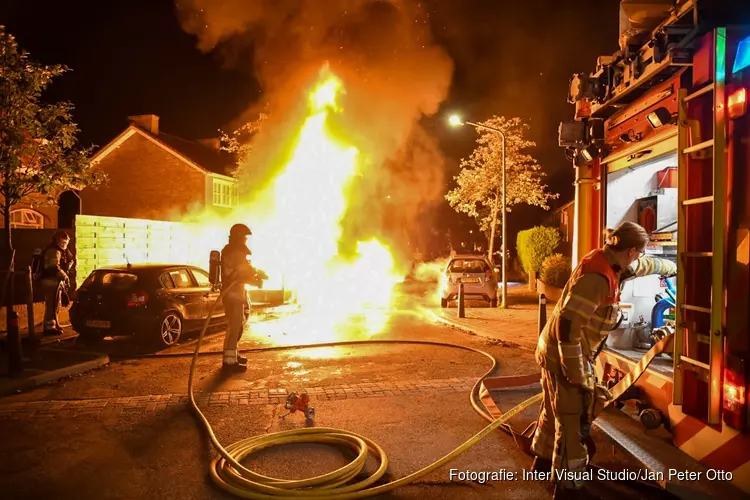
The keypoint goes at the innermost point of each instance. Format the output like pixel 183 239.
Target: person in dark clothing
pixel 57 262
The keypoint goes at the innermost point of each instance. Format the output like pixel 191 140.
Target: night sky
pixel 511 58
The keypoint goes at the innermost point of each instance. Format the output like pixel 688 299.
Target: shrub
pixel 555 270
pixel 536 244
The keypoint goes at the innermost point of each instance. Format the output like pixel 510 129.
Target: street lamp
pixel 456 121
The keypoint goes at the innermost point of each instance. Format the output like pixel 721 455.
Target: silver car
pixel 477 275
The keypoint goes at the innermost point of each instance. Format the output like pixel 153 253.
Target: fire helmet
pixel 61 235
pixel 239 231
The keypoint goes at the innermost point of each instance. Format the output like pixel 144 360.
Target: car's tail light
pixel 737 103
pixel 734 393
pixel 137 299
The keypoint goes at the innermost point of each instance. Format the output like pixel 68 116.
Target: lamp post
pixel 456 121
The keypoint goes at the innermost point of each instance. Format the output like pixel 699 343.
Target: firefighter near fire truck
pixel 233 266
pixel 51 271
pixel 568 345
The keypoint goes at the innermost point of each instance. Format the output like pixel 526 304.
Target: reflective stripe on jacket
pixel 55 263
pixel 235 267
pixel 587 311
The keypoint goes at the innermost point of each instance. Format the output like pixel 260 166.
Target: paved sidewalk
pixel 516 326
pixel 45 365
pixel 155 403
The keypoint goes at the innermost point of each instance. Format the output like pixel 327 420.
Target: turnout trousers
pixel 562 425
pixel 52 292
pixel 235 313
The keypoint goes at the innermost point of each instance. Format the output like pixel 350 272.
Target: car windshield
pixel 111 279
pixel 468 266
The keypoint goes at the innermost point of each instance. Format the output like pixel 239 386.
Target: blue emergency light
pixel 742 60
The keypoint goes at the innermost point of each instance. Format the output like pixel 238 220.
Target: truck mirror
pixel 214 267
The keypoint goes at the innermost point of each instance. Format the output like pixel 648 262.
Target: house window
pixel 564 226
pixel 27 219
pixel 225 193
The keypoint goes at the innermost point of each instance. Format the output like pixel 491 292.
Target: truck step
pixel 654 451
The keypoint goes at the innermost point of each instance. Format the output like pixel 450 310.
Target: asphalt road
pixel 147 452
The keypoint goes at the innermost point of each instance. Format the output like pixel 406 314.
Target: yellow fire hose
pixel 230 475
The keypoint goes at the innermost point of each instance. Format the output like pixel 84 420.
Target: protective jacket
pixel 236 267
pixel 587 311
pixel 56 263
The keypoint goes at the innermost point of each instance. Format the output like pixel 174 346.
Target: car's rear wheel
pixel 443 303
pixel 493 303
pixel 170 328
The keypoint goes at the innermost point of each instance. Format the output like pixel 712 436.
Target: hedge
pixel 555 270
pixel 536 244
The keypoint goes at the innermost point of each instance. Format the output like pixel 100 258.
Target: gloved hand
pixel 587 418
pixel 589 384
pixel 602 397
pixel 64 299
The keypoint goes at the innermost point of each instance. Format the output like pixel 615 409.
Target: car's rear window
pixel 111 279
pixel 468 266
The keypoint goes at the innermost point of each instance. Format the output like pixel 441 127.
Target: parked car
pixel 477 275
pixel 158 302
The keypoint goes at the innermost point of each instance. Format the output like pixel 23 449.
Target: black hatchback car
pixel 157 302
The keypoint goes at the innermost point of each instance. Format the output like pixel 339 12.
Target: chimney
pixel 149 123
pixel 213 143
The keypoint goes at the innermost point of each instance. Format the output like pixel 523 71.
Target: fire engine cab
pixel 661 137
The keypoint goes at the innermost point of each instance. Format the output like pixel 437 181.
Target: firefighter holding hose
pixel 584 315
pixel 236 268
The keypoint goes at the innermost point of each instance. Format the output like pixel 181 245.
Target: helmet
pixel 239 231
pixel 61 235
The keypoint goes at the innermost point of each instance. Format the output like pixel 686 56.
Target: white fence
pixel 105 241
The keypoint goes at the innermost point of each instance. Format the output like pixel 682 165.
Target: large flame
pixel 297 231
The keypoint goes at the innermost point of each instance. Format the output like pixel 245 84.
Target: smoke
pixel 393 72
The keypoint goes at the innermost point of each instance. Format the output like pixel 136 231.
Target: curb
pixel 47 377
pixel 465 329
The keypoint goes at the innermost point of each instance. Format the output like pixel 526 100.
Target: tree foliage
pixel 239 142
pixel 38 146
pixel 535 245
pixel 479 187
pixel 555 270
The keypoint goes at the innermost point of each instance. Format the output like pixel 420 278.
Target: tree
pixel 479 188
pixel 38 148
pixel 239 142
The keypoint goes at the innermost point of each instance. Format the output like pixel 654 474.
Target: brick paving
pixel 105 408
pixel 514 327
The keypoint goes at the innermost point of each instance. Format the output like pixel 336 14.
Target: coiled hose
pixel 229 474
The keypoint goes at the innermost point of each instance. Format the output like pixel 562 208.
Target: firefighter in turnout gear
pixel 56 264
pixel 586 312
pixel 235 267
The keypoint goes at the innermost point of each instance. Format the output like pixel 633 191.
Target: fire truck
pixel 661 137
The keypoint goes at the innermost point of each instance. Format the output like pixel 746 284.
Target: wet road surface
pixel 125 431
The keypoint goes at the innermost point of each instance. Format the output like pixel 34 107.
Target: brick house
pixel 562 218
pixel 155 175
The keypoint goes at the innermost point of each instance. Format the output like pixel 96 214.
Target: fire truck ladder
pixel 693 151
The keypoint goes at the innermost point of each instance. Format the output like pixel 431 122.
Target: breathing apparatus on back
pixel 237 238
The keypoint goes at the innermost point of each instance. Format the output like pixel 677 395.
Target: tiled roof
pixel 209 159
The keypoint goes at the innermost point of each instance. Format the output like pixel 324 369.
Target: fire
pixel 297 230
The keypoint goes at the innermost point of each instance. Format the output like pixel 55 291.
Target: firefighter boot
pixel 541 465
pixel 233 367
pixel 563 493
